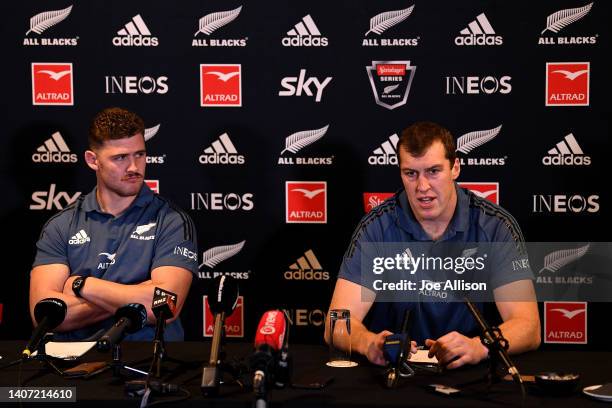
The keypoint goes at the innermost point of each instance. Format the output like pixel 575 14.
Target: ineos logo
pixel 222 201
pixel 566 203
pixel 134 85
pixel 477 85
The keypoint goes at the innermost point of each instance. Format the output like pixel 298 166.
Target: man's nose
pixel 132 165
pixel 422 183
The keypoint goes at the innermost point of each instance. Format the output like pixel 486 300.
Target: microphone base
pixel 211 376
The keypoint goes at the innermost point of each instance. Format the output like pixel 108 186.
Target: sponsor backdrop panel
pixel 275 127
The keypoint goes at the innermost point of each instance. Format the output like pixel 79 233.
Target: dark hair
pixel 112 124
pixel 418 137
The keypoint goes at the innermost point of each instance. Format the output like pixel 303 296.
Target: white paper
pixel 68 350
pixel 421 357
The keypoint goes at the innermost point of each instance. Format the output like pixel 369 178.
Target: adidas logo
pixel 79 238
pixel 307 267
pixel 566 153
pixel 54 150
pixel 135 34
pixel 386 154
pixel 305 34
pixel 479 32
pixel 221 151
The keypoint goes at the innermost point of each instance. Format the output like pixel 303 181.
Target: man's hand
pixel 454 350
pixel 374 350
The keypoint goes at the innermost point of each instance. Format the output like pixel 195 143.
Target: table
pixel 352 387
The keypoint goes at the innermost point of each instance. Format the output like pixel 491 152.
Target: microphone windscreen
pixel 135 313
pixel 223 295
pixel 271 330
pixel 53 309
pixel 163 302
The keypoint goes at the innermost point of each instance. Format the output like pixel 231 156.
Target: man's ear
pixel 456 169
pixel 91 158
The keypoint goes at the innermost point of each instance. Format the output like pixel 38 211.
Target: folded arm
pixel 111 295
pixel 49 281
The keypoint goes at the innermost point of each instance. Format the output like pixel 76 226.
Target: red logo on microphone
pixel 567 83
pixel 565 322
pixel 306 202
pixel 220 85
pixel 489 191
pixel 52 83
pixel 234 323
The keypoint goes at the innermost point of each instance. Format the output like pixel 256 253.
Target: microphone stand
pixel 159 346
pixel 41 356
pixel 211 373
pixel 494 341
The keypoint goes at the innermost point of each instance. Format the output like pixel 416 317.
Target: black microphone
pixel 164 304
pixel 222 299
pixel 129 319
pixel 49 313
pixel 163 307
pixel 494 341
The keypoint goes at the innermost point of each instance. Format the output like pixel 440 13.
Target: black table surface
pixel 357 387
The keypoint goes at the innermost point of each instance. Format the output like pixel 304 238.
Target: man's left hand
pixel 454 350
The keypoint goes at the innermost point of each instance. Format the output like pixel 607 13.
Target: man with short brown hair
pixel 116 244
pixel 432 209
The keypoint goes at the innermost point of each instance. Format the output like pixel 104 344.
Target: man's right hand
pixel 374 350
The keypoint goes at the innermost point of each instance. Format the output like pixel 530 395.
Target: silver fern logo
pixel 297 141
pixel 556 260
pixel 42 22
pixel 215 255
pixel 471 140
pixel 149 133
pixel 381 22
pixel 559 20
pixel 210 23
pixel 47 19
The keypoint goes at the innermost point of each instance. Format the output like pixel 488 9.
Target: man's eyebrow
pixel 434 167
